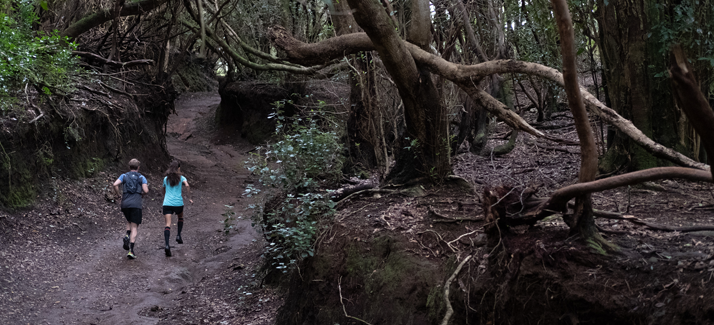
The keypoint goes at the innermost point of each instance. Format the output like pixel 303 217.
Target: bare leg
pixel 134 228
pixel 168 220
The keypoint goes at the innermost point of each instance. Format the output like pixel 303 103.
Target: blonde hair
pixel 134 164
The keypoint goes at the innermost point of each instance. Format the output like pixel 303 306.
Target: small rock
pixel 699 266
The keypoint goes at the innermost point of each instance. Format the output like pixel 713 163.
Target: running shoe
pixel 131 255
pixel 126 243
pixel 178 239
pixel 167 250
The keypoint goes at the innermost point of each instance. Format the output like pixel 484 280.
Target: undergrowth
pixel 31 58
pixel 306 156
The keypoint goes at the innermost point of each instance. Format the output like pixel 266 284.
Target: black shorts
pixel 172 210
pixel 132 215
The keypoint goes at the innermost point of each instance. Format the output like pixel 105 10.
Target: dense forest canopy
pixel 448 66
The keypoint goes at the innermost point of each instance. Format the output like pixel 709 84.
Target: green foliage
pixel 13 170
pixel 29 57
pixel 228 218
pixel 307 155
pixel 687 23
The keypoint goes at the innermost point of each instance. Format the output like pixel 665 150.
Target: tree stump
pixel 505 207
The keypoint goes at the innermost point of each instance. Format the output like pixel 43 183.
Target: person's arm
pixel 188 191
pixel 144 186
pixel 116 189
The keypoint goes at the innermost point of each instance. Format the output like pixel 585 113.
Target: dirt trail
pixel 81 275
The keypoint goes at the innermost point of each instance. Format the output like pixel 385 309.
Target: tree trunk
pixel 425 116
pixel 114 53
pixel 363 138
pixel 691 99
pixel 202 23
pixel 582 221
pixel 630 63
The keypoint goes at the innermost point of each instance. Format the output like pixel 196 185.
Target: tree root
pixel 375 190
pixel 653 226
pixel 344 192
pixel 339 287
pixel 449 309
pixel 433 212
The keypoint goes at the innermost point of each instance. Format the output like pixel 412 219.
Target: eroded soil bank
pixel 388 255
pixel 62 260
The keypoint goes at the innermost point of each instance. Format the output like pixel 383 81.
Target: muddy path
pixel 64 264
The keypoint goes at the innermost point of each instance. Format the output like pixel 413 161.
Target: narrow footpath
pixel 74 271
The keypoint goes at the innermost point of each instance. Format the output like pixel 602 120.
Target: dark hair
pixel 172 174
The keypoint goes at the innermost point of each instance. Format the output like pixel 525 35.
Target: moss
pixel 397 286
pixel 19 196
pixel 16 187
pixel 508 146
pixel 93 165
pixel 642 159
pixel 435 303
pixel 614 158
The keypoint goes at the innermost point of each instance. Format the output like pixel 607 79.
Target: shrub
pixel 306 156
pixel 29 57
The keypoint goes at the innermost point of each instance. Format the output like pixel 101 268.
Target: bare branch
pixel 105 15
pixel 692 101
pixel 466 75
pixel 560 197
pixel 114 63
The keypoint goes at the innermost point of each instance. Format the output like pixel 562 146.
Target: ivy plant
pixel 306 156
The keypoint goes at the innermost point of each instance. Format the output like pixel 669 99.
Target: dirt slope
pixel 62 262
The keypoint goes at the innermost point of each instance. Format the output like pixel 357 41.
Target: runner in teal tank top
pixel 173 201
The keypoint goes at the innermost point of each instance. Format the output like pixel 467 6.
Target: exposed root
pixel 339 287
pixel 653 226
pixel 432 212
pixel 347 198
pixel 449 309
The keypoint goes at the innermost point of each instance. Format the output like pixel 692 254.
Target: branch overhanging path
pixel 467 78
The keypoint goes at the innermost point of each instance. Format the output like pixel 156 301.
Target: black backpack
pixel 132 183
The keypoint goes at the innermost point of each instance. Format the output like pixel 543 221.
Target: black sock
pixel 128 232
pixel 180 227
pixel 167 233
pixel 132 248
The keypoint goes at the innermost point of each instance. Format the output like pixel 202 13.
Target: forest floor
pixel 62 261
